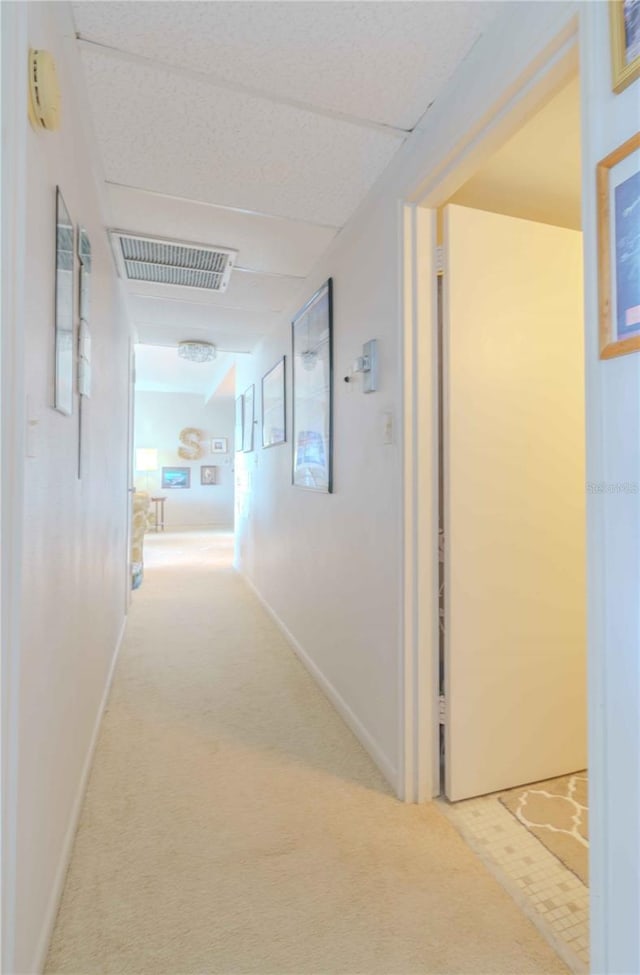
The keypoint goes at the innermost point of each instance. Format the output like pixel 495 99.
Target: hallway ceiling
pixel 160 370
pixel 256 126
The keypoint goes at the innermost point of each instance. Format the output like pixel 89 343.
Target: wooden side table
pixel 159 513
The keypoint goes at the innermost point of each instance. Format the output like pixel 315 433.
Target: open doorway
pixel 183 449
pixel 512 749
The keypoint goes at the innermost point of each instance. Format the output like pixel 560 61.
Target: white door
pixel 514 502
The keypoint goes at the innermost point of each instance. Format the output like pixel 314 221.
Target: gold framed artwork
pixel 618 187
pixel 625 42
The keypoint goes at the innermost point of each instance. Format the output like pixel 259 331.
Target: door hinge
pixel 440 259
pixel 442 709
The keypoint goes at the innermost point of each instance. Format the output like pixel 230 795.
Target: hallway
pixel 233 824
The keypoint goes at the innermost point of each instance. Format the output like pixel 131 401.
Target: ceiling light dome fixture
pixel 197 351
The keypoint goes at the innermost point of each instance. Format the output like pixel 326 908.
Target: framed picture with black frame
pixel 312 374
pixel 274 404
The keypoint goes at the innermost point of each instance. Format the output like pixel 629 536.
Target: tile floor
pixel 553 897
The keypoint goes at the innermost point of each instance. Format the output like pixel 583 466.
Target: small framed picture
pixel 219 445
pixel 274 405
pixel 208 474
pixel 625 42
pixel 176 477
pixel 247 420
pixel 618 183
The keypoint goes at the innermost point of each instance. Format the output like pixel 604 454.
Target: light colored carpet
pixel 557 813
pixel 233 824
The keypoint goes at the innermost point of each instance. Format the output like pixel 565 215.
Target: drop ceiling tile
pixel 246 292
pixel 380 61
pixel 264 243
pixel 173 134
pixel 200 315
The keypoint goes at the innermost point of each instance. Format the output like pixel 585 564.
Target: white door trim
pixel 13 420
pixel 418 766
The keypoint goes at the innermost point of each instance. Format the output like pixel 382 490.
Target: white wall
pixel 159 418
pixel 331 567
pixel 75 560
pixel 613 546
pixel 328 564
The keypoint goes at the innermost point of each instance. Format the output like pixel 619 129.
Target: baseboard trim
pixel 42 948
pixel 366 740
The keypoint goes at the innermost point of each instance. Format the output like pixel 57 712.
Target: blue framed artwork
pixel 618 178
pixel 176 477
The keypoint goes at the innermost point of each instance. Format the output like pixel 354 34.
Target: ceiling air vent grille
pixel 171 262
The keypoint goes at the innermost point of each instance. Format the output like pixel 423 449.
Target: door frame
pixel 418 778
pixel 419 709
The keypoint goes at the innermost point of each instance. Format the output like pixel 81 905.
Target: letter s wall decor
pixel 192 448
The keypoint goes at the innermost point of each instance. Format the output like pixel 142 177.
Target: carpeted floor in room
pixel 234 825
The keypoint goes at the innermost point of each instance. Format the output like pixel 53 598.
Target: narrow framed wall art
pixel 312 357
pixel 274 405
pixel 618 187
pixel 64 330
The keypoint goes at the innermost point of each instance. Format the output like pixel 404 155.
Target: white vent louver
pixel 159 261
